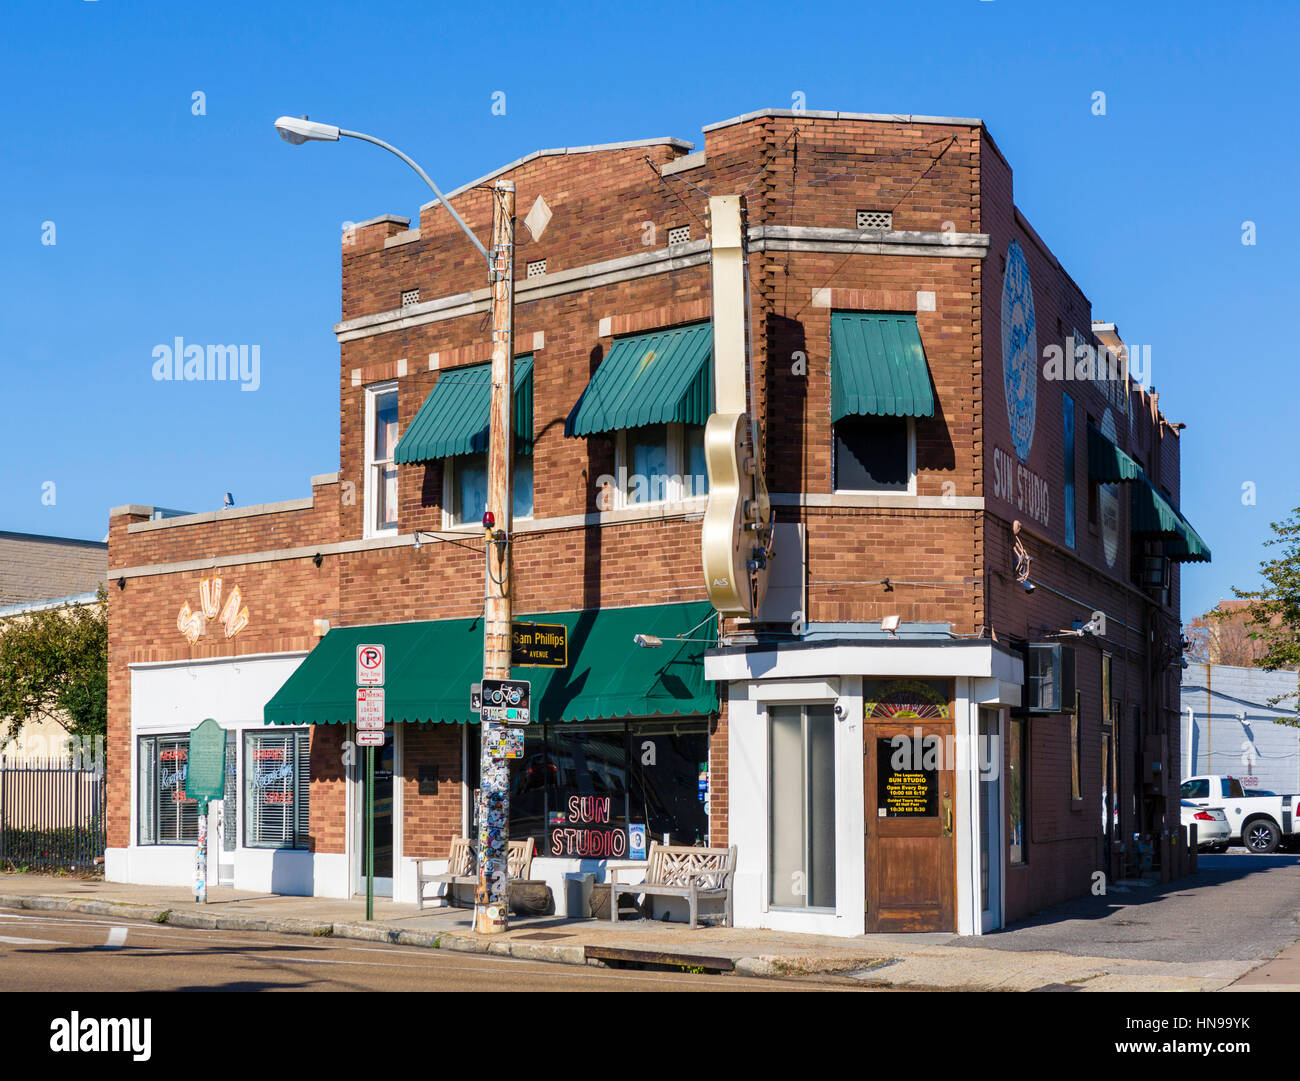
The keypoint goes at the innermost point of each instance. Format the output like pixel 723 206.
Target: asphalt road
pixel 1238 907
pixel 73 952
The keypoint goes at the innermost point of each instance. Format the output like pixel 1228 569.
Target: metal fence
pixel 51 815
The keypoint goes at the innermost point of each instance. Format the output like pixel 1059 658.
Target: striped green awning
pixel 454 417
pixel 429 667
pixel 1155 516
pixel 1152 513
pixel 878 367
pixel 1189 548
pixel 660 378
pixel 1107 464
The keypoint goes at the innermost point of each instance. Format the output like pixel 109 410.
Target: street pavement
pixel 75 952
pixel 1204 932
pixel 1238 907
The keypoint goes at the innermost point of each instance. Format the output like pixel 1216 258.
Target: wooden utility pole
pixel 491 896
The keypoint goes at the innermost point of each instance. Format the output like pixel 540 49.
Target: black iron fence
pixel 51 815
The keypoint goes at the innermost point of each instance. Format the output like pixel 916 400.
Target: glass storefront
pixel 579 786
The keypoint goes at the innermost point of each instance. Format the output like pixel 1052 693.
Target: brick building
pixel 955 497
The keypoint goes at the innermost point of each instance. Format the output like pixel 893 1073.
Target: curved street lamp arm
pixel 425 177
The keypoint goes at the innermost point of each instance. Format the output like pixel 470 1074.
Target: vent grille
pixel 537 269
pixel 680 235
pixel 409 297
pixel 875 219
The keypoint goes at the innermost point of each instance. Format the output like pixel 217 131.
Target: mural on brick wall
pixel 233 614
pixel 1019 351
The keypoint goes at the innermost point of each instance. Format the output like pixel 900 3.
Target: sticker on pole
pixel 505 701
pixel 370 666
pixel 370 709
pixel 370 739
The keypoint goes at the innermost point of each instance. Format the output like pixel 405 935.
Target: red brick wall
pixel 947 564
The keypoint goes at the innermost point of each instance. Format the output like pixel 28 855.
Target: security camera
pixel 839 710
pixel 1027 585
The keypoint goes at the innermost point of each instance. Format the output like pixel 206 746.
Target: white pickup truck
pixel 1260 823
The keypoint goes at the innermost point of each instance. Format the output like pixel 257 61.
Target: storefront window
pixel 166 816
pixel 276 789
pixel 578 787
pixel 801 814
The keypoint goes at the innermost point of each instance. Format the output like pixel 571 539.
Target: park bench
pixel 462 868
pixel 694 874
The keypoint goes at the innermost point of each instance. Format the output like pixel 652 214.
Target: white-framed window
pixel 875 454
pixel 277 788
pixel 464 488
pixel 801 806
pixel 166 815
pixel 380 470
pixel 660 463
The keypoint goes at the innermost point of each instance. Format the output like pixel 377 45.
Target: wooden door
pixel 910 804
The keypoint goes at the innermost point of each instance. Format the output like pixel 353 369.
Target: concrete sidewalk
pixel 917 962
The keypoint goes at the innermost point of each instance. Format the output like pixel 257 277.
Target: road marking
pixel 11 941
pixel 116 936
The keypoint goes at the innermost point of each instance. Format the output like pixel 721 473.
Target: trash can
pixel 577 894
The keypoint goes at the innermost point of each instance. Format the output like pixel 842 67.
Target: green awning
pixel 429 667
pixel 658 378
pixel 454 417
pixel 1156 516
pixel 878 367
pixel 1107 464
pixel 1189 548
pixel 1152 513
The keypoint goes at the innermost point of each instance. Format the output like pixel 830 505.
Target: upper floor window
pixel 380 469
pixel 661 463
pixel 465 488
pixel 875 454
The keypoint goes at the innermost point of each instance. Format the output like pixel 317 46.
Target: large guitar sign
pixel 736 540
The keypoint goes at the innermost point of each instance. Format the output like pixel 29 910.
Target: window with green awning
pixel 429 667
pixel 454 417
pixel 661 378
pixel 1107 464
pixel 878 367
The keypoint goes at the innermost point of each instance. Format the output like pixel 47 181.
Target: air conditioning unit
pixel 1049 678
pixel 1154 572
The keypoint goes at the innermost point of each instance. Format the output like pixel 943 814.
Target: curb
pixel 764 967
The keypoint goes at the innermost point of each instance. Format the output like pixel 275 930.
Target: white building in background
pixel 1230 726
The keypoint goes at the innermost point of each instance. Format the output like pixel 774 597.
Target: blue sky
pixel 210 228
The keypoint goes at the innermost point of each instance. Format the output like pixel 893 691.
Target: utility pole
pixel 491 896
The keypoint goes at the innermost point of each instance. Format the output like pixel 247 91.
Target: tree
pixel 1222 636
pixel 54 666
pixel 1274 609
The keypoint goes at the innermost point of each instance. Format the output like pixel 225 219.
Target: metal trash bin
pixel 577 894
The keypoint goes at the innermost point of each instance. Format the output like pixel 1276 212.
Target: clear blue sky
pixel 211 228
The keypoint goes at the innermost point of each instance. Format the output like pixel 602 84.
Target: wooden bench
pixel 462 868
pixel 681 871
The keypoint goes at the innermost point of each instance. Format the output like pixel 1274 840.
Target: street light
pixel 492 894
pixel 298 130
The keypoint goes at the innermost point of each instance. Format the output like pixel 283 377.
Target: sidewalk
pixel 917 962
